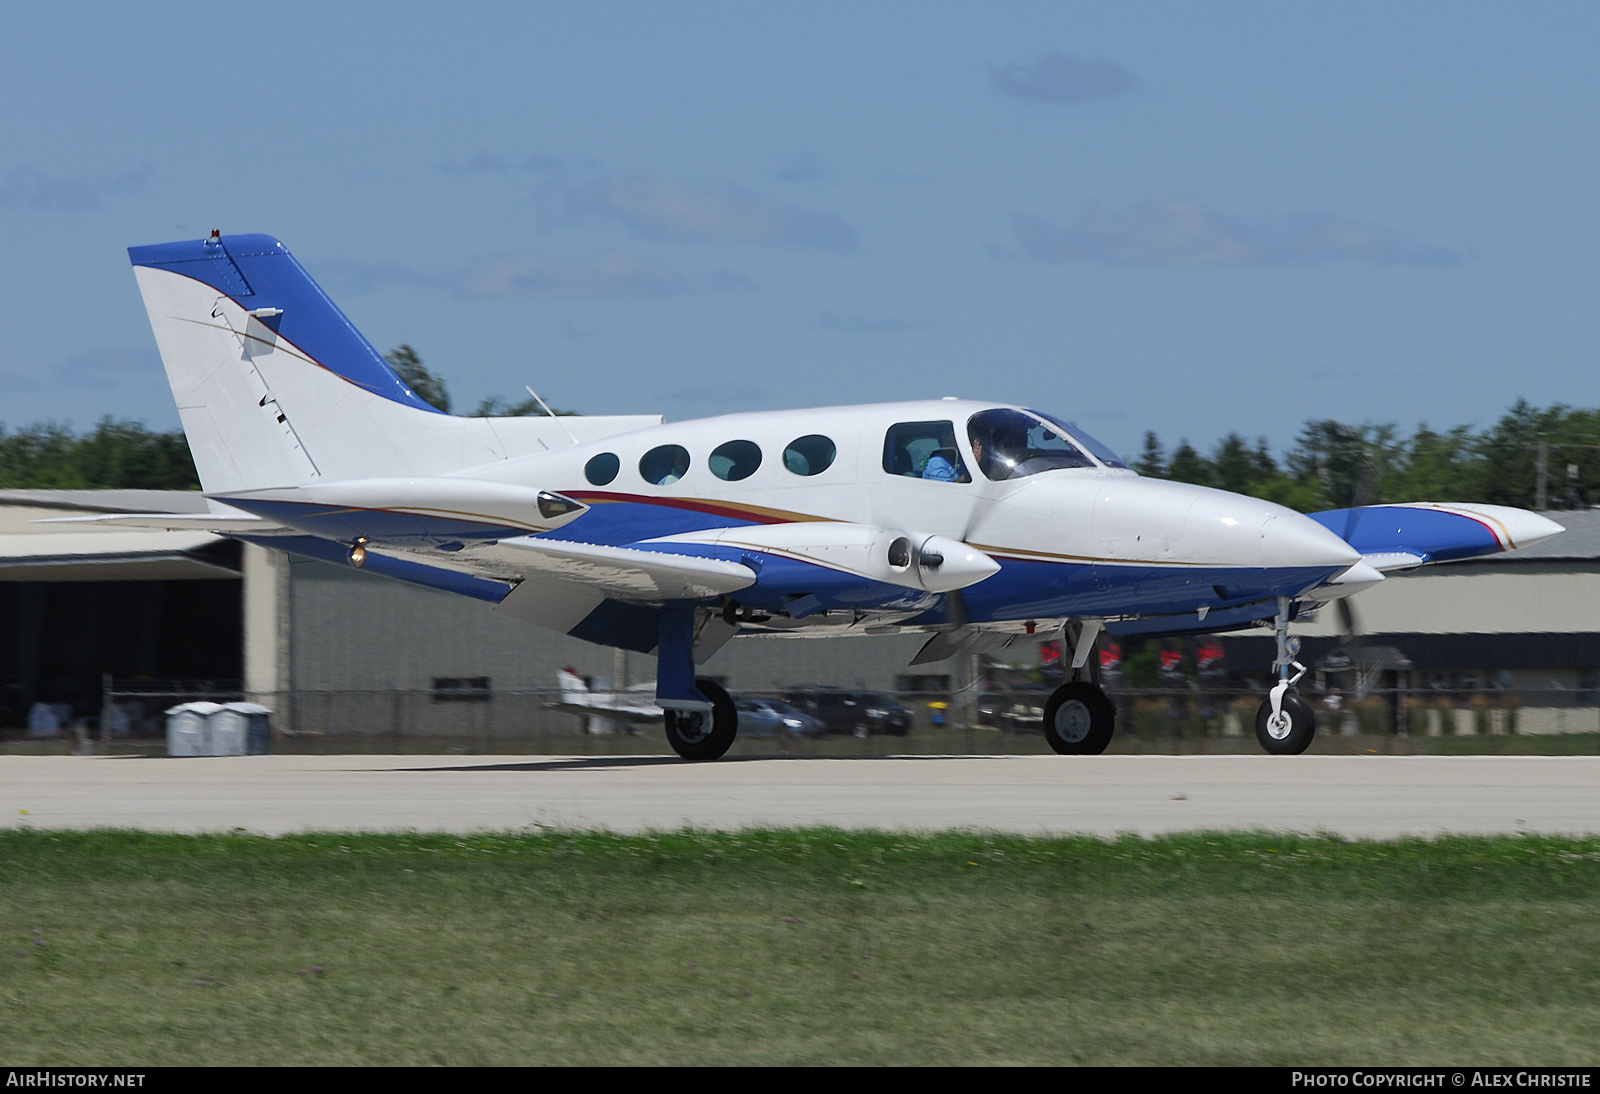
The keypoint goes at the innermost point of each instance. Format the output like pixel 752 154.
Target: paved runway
pixel 1376 796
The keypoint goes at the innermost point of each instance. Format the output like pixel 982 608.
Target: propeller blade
pixel 955 608
pixel 1347 620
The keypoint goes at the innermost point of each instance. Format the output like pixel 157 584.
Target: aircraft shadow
pixel 597 763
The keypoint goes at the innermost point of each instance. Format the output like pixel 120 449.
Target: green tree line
pixel 1333 464
pixel 126 455
pixel 430 387
pixel 115 455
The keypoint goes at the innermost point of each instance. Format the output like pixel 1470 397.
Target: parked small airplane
pixel 601 706
pixel 971 522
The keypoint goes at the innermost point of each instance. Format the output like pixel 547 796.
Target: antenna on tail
pixel 550 412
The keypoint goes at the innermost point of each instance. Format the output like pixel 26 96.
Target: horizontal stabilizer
pixel 222 524
pixel 375 508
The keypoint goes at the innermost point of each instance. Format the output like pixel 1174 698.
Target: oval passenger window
pixel 602 469
pixel 735 460
pixel 809 455
pixel 664 464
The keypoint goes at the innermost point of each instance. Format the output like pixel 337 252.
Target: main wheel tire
pixel 698 735
pixel 1293 730
pixel 1079 719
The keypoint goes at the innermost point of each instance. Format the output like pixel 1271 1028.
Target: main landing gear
pixel 701 719
pixel 1079 719
pixel 1285 724
pixel 704 734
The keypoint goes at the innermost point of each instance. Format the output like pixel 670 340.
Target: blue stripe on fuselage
pixel 614 523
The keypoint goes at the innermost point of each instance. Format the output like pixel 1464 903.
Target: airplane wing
pixel 628 706
pixel 616 713
pixel 628 573
pixel 563 582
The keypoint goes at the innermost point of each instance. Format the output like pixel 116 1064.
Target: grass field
pixel 811 946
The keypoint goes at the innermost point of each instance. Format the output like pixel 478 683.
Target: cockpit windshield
pixel 1098 450
pixel 1010 444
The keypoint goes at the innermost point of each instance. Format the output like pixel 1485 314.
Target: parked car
pixel 1016 711
pixel 860 713
pixel 771 717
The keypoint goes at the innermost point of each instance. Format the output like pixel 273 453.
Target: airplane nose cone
pixel 945 564
pixel 1290 541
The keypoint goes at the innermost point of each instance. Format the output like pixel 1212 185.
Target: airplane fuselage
pixel 1095 540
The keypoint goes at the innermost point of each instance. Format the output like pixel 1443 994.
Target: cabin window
pixel 1008 444
pixel 664 464
pixel 809 455
pixel 735 460
pixel 602 469
pixel 924 450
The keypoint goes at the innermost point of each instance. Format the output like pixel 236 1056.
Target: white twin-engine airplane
pixel 970 522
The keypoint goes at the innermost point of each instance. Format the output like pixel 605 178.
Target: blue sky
pixel 1186 218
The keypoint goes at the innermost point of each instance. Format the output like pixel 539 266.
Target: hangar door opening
pixel 57 639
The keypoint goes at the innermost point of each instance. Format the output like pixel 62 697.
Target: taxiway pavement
pixel 1375 796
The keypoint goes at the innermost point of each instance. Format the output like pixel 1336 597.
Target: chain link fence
pixel 478 720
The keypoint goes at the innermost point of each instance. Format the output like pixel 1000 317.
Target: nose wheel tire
pixel 1291 732
pixel 1079 720
pixel 702 735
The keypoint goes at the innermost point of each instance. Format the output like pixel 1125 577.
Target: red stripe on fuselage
pixel 754 514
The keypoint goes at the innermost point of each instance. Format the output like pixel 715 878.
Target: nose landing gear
pixel 1285 724
pixel 1079 719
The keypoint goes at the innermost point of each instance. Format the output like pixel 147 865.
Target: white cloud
pixel 655 209
pixel 529 275
pixel 858 324
pixel 742 394
pixel 1172 231
pixel 495 163
pixel 28 188
pixel 1062 78
pixel 100 367
pixel 350 277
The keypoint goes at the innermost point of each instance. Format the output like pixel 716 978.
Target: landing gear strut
pixel 1285 724
pixel 1079 719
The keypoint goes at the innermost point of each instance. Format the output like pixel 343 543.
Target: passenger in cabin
pixel 942 466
